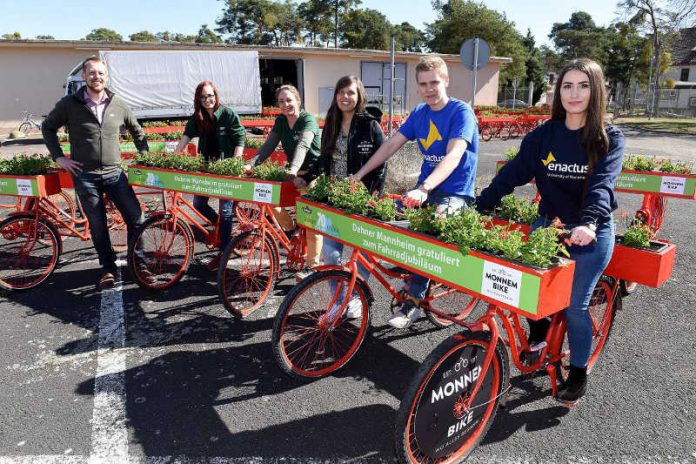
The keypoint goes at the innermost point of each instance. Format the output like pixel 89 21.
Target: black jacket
pixel 364 138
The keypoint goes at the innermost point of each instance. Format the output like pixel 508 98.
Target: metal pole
pixel 392 72
pixel 473 92
pixel 530 94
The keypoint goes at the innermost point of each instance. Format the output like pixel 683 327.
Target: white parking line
pixel 109 431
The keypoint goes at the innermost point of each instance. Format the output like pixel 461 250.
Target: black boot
pixel 537 334
pixel 574 388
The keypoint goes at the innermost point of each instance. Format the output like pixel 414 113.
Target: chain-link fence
pixel 675 103
pixel 509 97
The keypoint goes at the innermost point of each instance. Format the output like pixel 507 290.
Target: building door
pixel 375 77
pixel 277 72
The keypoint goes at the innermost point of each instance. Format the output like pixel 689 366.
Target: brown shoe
pixel 144 275
pixel 106 281
pixel 214 263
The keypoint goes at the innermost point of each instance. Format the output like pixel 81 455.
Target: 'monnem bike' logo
pixel 455 386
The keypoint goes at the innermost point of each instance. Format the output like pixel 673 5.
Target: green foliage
pixel 639 163
pixel 253 142
pixel 541 247
pixel 366 29
pixel 105 35
pixel 26 165
pixel 384 209
pixel 637 235
pixel 580 37
pixel 320 189
pixel 260 22
pixel 511 152
pixel 13 36
pixel 270 171
pixel 423 219
pixel 350 195
pixel 518 209
pixel 677 167
pixel 317 18
pixel 63 138
pixel 207 36
pixel 408 39
pixel 458 20
pixel 45 37
pixel 535 69
pixel 143 36
pixel 234 167
pixel 170 161
pixel 465 229
pixel 167 36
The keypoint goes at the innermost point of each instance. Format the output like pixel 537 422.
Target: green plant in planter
pixel 270 171
pixel 637 235
pixel 510 153
pixel 319 191
pixel 465 229
pixel 518 209
pixel 172 135
pixel 171 161
pixel 27 165
pixel 423 219
pixel 233 167
pixel 678 167
pixel 253 142
pixel 384 209
pixel 639 163
pixel 541 247
pixel 505 242
pixel 350 195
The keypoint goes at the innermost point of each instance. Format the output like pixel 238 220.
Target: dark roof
pixel 684 47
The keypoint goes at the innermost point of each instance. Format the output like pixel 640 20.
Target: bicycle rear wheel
pixel 162 251
pixel 247 273
pixel 311 339
pixel 602 309
pixel 29 251
pixel 449 301
pixel 434 424
pixel 25 128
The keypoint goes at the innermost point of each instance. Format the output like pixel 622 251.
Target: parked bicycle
pixel 28 123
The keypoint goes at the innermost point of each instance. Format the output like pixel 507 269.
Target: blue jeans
pixel 590 262
pixel 90 188
pixel 331 253
pixel 226 211
pixel 443 201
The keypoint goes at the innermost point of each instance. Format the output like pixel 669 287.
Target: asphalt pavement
pixel 133 376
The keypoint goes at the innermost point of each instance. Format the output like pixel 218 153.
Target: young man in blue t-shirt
pixel 447 133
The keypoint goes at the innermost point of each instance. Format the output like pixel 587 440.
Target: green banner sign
pixel 19 187
pixel 499 282
pixel 205 184
pixel 656 183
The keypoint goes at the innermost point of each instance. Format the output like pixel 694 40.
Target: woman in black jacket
pixel 351 135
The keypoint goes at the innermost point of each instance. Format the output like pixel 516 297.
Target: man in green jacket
pixel 93 117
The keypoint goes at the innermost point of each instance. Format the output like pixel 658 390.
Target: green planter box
pixel 230 188
pixel 30 186
pixel 536 293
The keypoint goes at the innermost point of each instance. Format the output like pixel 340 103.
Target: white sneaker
pixel 406 315
pixel 354 308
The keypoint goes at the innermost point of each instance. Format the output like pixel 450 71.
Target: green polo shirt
pixel 289 138
pixel 228 129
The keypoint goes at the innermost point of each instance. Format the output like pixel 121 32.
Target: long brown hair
pixel 204 122
pixel 594 139
pixel 332 124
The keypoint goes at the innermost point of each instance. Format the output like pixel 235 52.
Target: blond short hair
pixel 432 63
pixel 289 88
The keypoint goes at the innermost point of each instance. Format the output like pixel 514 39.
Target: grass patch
pixel 670 125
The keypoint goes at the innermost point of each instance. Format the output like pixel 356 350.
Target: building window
pixel 684 75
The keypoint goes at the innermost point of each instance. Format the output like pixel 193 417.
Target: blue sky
pixel 72 19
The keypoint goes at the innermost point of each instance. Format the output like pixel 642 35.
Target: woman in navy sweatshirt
pixel 575 158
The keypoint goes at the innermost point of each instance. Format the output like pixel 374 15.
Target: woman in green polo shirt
pixel 220 135
pixel 298 131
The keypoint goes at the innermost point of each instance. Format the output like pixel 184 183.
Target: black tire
pixel 449 301
pixel 161 253
pixel 433 425
pixel 29 252
pixel 25 128
pixel 247 272
pixel 308 341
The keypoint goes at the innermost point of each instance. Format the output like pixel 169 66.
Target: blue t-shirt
pixel 433 130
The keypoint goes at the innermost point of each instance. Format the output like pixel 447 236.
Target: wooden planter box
pixel 646 267
pixel 533 292
pixel 30 186
pixel 211 185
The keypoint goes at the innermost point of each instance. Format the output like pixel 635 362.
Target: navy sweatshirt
pixel 552 155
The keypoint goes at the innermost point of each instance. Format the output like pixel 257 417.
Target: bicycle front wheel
pixel 29 251
pixel 602 309
pixel 438 420
pixel 162 252
pixel 312 337
pixel 247 273
pixel 25 128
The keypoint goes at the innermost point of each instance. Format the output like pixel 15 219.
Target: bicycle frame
pixel 175 207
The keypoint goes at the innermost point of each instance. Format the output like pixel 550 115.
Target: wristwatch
pixel 426 187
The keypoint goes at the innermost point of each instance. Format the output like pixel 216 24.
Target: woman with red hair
pixel 220 135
